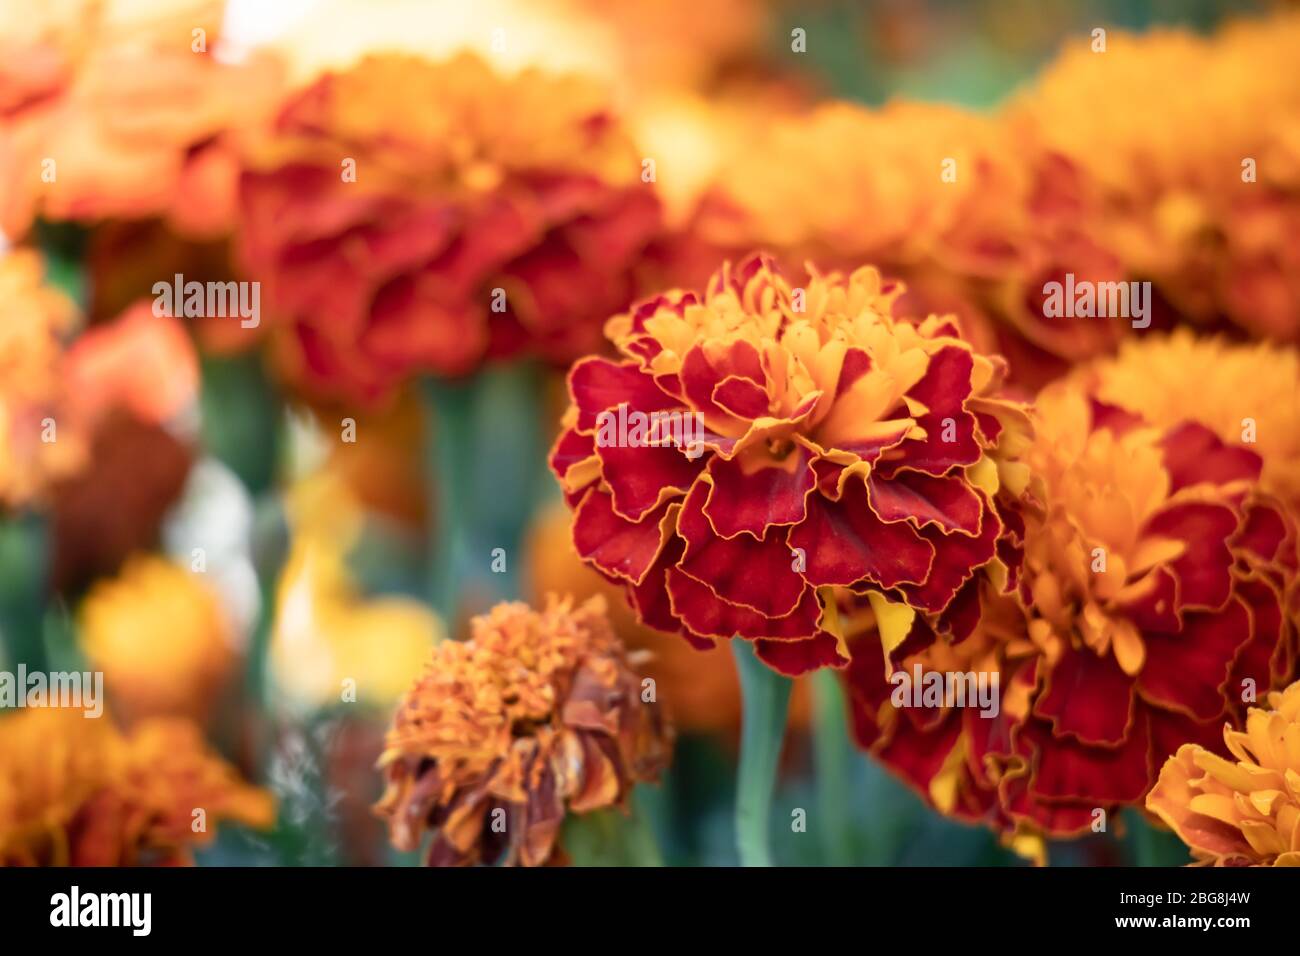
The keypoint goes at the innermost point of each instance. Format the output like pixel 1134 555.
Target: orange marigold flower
pixel 75 791
pixel 973 215
pixel 1152 595
pixel 1243 811
pixel 1245 394
pixel 1192 191
pixel 36 321
pixel 414 216
pixel 760 446
pixel 161 637
pixel 536 715
pixel 127 118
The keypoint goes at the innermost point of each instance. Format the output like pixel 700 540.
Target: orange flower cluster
pixel 1244 810
pixel 793 442
pixel 972 222
pixel 411 216
pixel 537 715
pixel 75 791
pixel 1191 190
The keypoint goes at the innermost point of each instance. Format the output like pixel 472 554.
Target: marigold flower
pixel 1191 191
pixel 132 113
pixel 1245 394
pixel 1151 598
pixel 487 215
pixel 161 637
pixel 1156 580
pixel 971 213
pixel 831 446
pixel 536 715
pixel 75 791
pixel 1244 810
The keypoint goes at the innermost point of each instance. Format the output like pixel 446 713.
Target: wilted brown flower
pixel 537 715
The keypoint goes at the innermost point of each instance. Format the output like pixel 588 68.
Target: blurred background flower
pixel 76 791
pixel 506 219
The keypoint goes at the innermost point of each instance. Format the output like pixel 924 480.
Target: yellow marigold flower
pixel 161 637
pixel 1246 394
pixel 1243 811
pixel 538 714
pixel 325 633
pixel 36 320
pixel 75 791
pixel 1193 192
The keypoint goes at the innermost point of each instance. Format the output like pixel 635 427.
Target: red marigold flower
pixel 536 715
pixel 414 216
pixel 1156 579
pixel 1153 604
pixel 761 446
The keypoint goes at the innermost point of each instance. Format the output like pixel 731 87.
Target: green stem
pixel 486 461
pixel 766 699
pixel 449 449
pixel 24 576
pixel 643 848
pixel 832 754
